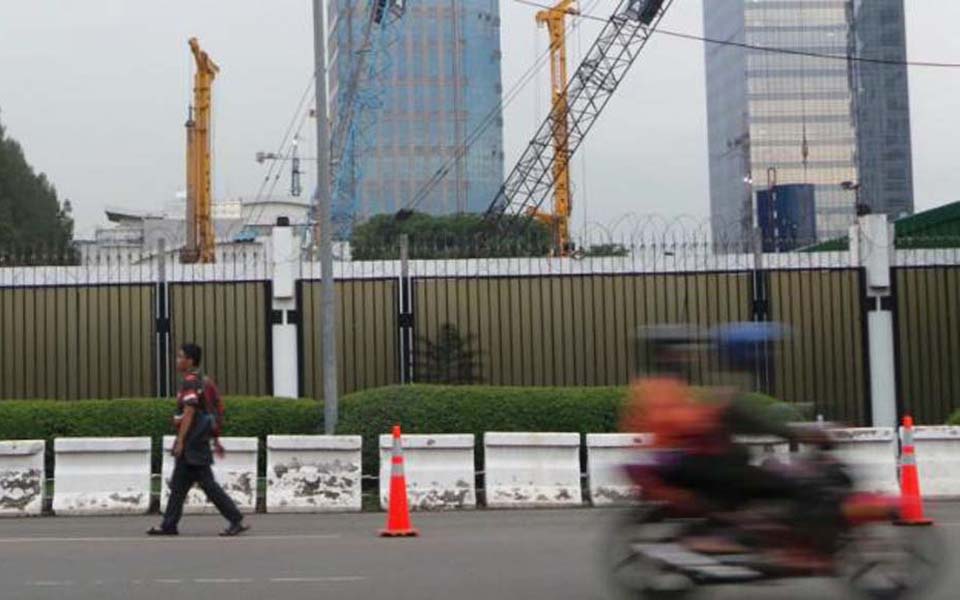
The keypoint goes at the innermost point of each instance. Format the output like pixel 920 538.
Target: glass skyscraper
pixel 781 119
pixel 440 93
pixel 883 107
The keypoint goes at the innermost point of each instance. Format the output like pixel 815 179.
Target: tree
pixel 449 359
pixel 31 217
pixel 449 236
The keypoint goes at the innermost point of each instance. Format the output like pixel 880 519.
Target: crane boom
pixel 587 93
pixel 360 101
pixel 378 15
pixel 559 219
pixel 201 241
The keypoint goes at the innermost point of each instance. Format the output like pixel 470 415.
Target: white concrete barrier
pixel 607 454
pixel 313 473
pixel 871 454
pixel 22 477
pixel 439 470
pixel 765 448
pixel 236 472
pixel 938 460
pixel 532 469
pixel 101 476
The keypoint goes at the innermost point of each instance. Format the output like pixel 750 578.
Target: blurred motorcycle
pixel 646 553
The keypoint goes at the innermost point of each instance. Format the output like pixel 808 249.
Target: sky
pixel 96 92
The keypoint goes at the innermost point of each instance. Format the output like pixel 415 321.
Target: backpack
pixel 214 405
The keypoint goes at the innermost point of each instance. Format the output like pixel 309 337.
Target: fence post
pixel 284 319
pixel 162 320
pixel 874 247
pixel 405 318
pixel 760 311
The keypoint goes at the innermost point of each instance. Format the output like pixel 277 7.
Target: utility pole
pixel 325 223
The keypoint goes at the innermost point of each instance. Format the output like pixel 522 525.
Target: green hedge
pixel 417 408
pixel 476 409
pixel 49 419
pixel 954 418
pixel 46 419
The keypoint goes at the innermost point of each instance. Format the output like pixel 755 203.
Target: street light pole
pixel 324 223
pixel 858 208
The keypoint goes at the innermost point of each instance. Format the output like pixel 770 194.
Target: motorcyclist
pixel 699 461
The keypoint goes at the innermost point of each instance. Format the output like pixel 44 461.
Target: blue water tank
pixel 787 217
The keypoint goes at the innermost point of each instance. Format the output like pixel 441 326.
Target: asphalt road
pixel 480 555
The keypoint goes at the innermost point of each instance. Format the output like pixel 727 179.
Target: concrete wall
pixel 102 476
pixel 236 472
pixel 22 478
pixel 938 461
pixel 871 454
pixel 607 454
pixel 313 473
pixel 439 471
pixel 532 469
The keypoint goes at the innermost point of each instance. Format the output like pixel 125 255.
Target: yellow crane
pixel 559 218
pixel 201 239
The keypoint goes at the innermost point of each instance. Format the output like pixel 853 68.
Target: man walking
pixel 195 427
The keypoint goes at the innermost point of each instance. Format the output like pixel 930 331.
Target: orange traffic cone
pixel 398 516
pixel 911 502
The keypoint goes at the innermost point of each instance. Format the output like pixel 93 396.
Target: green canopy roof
pixel 935 228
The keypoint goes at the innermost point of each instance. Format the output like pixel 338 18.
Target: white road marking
pixel 176 539
pixel 244 580
pixel 342 579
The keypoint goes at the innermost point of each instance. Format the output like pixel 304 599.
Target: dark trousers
pixel 184 476
pixel 730 480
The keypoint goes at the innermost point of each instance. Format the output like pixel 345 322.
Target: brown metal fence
pixel 368 353
pixel 927 322
pixel 229 320
pixel 824 362
pixel 580 330
pixel 93 341
pixel 111 330
pixel 568 330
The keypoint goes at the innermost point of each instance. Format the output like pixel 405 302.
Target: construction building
pixel 437 106
pixel 131 235
pixel 807 115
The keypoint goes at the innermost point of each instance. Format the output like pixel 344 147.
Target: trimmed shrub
pixel 417 408
pixel 777 410
pixel 954 418
pixel 475 409
pixel 49 419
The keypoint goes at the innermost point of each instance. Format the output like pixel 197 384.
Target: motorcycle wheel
pixel 891 563
pixel 629 573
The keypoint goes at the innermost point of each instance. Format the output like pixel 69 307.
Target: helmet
pixel 742 345
pixel 670 348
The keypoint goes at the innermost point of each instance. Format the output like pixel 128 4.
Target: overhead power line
pixel 424 191
pixel 284 151
pixel 771 49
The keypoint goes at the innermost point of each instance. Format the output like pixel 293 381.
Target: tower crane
pixel 201 241
pixel 544 163
pixel 559 219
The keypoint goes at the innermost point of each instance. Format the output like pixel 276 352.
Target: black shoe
pixel 160 531
pixel 235 529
